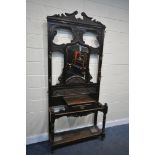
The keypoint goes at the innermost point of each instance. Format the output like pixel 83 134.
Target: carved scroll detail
pixel 72 17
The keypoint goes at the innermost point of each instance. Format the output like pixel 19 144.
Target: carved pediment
pixel 72 18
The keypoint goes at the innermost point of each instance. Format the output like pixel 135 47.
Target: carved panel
pixel 77 52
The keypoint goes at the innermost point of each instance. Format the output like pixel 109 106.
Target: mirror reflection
pixel 76 61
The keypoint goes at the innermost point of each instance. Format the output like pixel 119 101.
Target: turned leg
pixel 103 126
pixel 52 120
pixel 105 109
pixel 95 118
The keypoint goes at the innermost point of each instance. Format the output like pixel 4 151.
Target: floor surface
pixel 116 142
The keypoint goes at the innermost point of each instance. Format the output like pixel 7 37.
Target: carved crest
pixel 72 18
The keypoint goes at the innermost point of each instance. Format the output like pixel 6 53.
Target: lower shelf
pixel 76 135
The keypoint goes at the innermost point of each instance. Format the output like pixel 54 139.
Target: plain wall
pixel 115 68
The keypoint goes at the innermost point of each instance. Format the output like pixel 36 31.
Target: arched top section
pixel 71 18
pixel 77 39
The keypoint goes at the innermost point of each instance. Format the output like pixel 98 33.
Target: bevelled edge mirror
pixel 76 63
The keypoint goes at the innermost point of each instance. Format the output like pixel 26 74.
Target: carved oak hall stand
pixel 75 95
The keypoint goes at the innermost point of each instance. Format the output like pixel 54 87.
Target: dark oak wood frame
pixel 56 93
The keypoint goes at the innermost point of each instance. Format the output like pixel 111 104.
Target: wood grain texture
pixel 75 135
pixel 78 100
